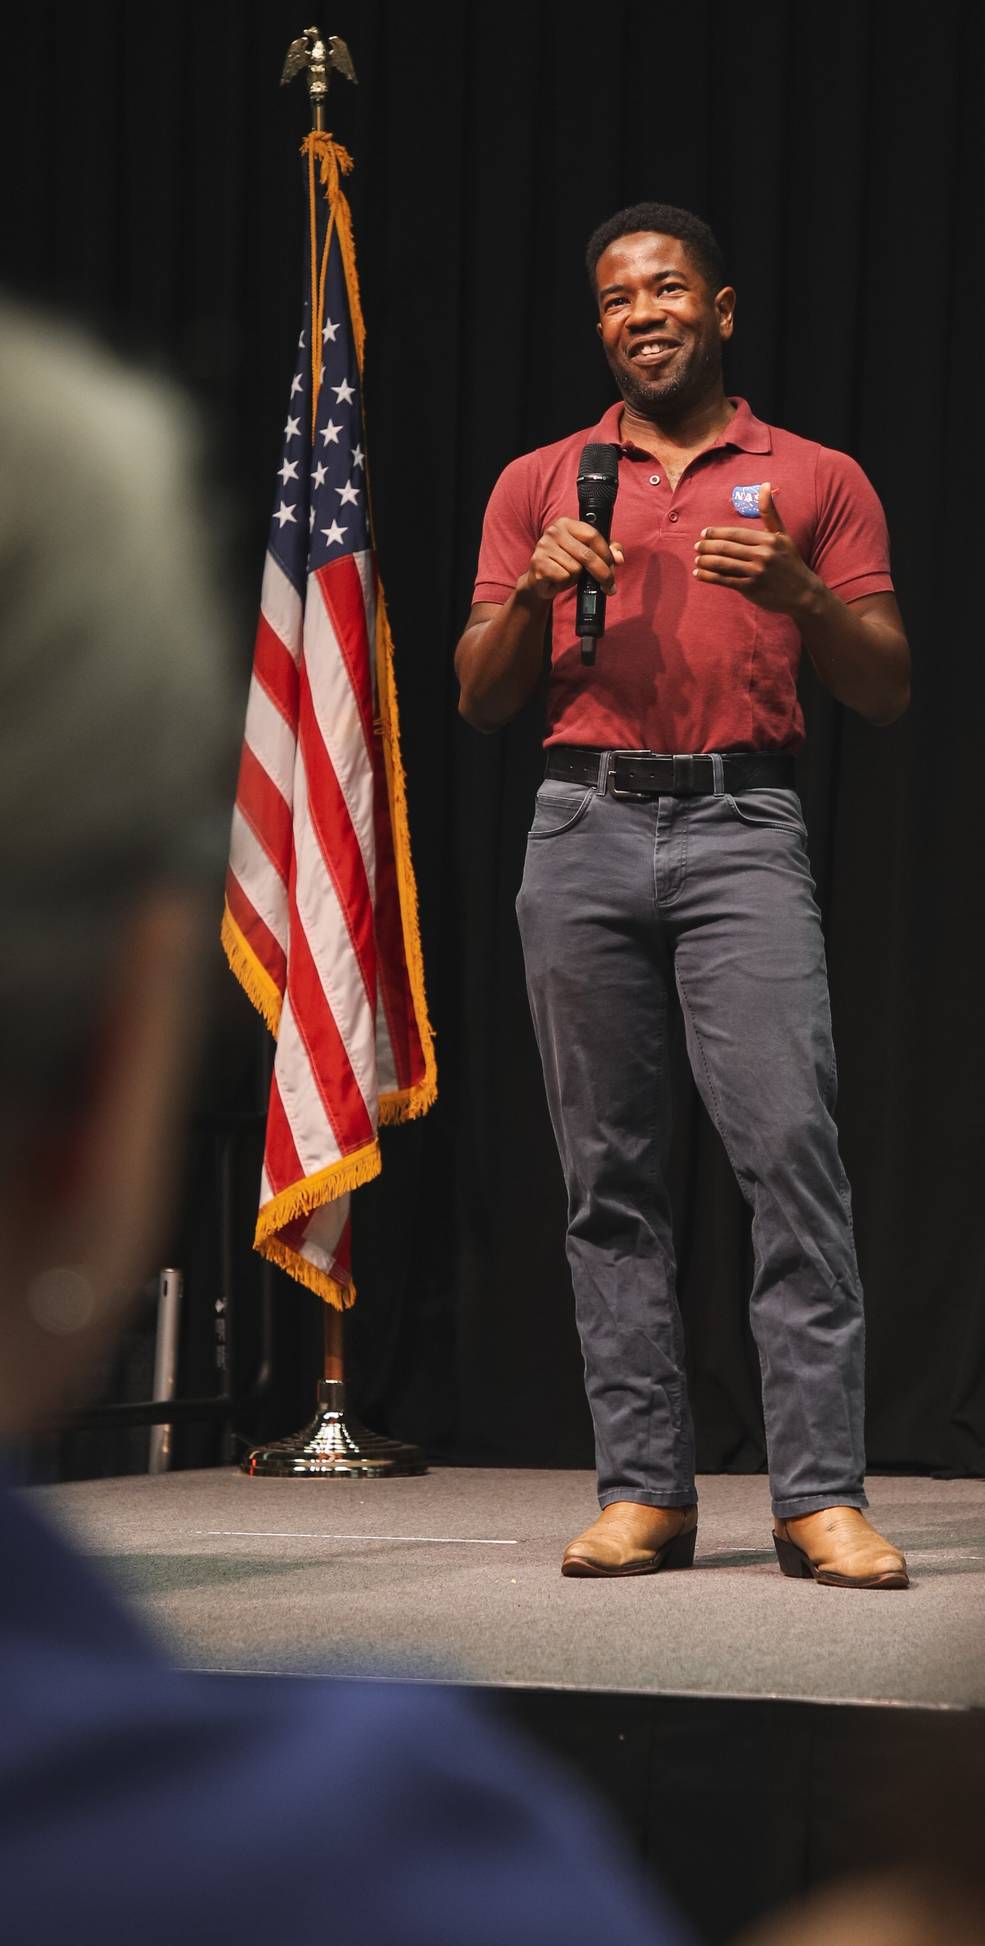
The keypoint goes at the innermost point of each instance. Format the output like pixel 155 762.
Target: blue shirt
pixel 140 1803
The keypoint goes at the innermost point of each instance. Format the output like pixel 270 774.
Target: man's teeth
pixel 653 344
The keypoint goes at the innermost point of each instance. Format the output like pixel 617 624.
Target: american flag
pixel 320 923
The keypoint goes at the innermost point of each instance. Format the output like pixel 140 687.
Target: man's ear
pixel 725 302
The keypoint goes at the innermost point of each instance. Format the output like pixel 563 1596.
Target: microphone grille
pixel 600 459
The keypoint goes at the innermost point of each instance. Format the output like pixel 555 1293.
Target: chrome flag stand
pixel 333 1445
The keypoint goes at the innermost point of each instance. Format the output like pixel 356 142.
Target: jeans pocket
pixel 779 809
pixel 559 806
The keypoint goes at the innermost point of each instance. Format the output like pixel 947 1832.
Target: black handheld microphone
pixel 598 478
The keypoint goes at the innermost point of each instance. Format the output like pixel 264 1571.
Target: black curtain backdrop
pixel 154 189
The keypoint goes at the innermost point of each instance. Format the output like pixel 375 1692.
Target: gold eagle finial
pixel 311 52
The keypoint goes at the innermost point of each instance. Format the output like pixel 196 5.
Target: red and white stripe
pixel 314 923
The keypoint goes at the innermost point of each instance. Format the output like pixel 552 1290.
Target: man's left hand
pixel 763 566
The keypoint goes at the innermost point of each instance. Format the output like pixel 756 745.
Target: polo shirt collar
pixel 744 431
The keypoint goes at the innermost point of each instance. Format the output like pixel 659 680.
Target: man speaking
pixel 667 855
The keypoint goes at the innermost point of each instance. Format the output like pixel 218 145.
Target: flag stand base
pixel 334 1445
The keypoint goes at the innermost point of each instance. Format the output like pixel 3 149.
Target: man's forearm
pixel 862 659
pixel 499 659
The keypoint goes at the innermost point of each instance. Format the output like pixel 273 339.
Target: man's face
pixel 661 327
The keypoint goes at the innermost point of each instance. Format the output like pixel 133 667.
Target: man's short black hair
pixel 664 220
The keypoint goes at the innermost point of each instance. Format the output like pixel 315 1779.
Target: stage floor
pixel 455 1576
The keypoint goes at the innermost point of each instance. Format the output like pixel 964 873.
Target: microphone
pixel 598 471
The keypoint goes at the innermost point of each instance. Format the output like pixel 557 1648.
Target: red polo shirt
pixel 684 665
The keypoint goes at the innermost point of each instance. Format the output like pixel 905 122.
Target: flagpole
pixel 333 1445
pixel 317 66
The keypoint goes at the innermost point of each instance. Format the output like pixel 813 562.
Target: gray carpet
pixel 456 1575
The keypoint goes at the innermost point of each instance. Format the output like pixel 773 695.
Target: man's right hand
pixel 500 654
pixel 565 549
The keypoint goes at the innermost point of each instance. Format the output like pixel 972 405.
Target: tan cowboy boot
pixel 630 1539
pixel 839 1547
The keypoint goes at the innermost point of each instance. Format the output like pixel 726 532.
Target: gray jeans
pixel 622 902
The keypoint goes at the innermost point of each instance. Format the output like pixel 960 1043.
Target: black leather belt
pixel 651 773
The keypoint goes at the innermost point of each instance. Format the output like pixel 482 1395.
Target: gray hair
pixel 115 709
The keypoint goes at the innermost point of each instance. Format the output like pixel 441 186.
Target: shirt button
pixel 673 516
pixel 654 479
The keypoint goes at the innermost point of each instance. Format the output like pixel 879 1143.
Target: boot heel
pixel 792 1561
pixel 680 1552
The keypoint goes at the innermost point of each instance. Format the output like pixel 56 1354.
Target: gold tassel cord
pixel 318 280
pixel 317 335
pixel 334 162
pixel 416 1100
pixel 314 320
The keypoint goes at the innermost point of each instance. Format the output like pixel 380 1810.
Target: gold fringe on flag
pixel 253 978
pixel 340 1296
pixel 350 1172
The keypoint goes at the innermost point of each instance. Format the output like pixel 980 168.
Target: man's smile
pixel 653 351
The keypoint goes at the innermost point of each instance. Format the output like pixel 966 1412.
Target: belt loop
pixel 718 773
pixel 602 783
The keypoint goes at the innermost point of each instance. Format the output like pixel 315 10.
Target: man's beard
pixel 689 378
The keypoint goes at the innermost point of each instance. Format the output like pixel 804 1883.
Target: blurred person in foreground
pixel 136 1802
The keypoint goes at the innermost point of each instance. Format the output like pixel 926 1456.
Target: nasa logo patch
pixel 745 500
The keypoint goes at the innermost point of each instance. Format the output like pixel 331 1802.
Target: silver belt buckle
pixel 638 797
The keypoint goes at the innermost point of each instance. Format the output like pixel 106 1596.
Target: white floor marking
pixel 278 1534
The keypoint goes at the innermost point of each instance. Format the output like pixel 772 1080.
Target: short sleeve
pixel 850 549
pixel 510 531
